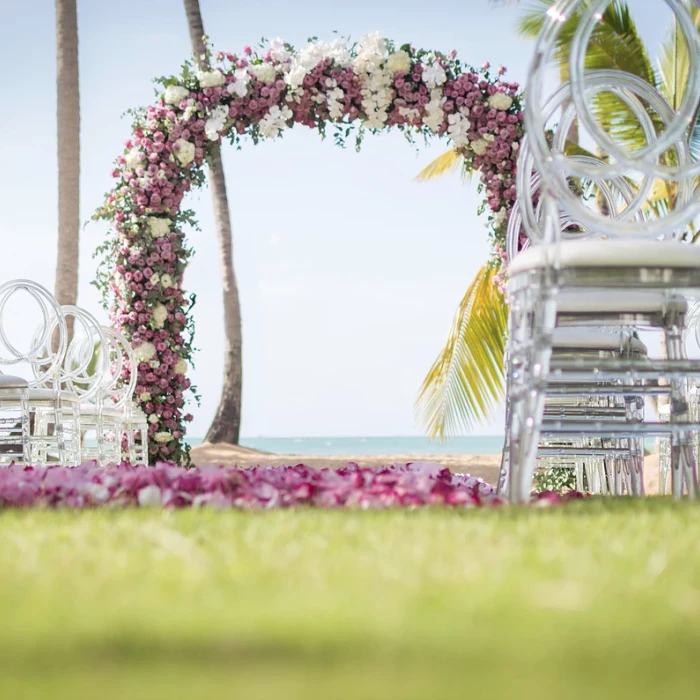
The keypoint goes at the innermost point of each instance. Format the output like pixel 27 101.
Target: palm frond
pixel 674 70
pixel 533 18
pixel 674 62
pixel 447 162
pixel 616 44
pixel 466 380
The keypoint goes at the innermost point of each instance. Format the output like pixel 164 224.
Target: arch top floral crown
pixel 355 88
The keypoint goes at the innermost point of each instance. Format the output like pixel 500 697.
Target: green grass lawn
pixel 593 599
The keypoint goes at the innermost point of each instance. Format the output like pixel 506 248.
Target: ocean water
pixel 415 446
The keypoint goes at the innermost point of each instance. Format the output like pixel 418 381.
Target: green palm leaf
pixel 466 380
pixel 674 62
pixel 674 70
pixel 614 44
pixel 445 163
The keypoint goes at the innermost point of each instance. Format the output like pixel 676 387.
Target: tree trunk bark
pixel 226 425
pixel 68 135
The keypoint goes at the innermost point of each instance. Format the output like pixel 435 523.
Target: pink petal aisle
pixel 168 486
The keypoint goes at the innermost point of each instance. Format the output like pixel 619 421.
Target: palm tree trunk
pixel 226 425
pixel 68 133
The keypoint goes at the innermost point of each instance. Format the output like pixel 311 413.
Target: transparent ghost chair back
pixel 659 149
pixel 528 224
pixel 120 378
pixel 85 365
pixel 47 348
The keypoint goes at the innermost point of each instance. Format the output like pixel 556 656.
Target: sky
pixel 349 271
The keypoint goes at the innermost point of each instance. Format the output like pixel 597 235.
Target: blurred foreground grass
pixel 598 598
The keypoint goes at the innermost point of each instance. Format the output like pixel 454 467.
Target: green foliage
pixel 559 479
pixel 467 379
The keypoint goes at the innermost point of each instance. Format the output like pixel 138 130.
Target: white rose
pixel 372 44
pixel 134 158
pixel 174 94
pixel 216 123
pixel 500 216
pixel 153 418
pixel 163 437
pixel 185 154
pixel 434 75
pixel 240 86
pixel 296 75
pixel 399 62
pixel 166 281
pixel 278 52
pixel 144 352
pixel 180 367
pixel 212 78
pixel 155 278
pixel 158 226
pixel 190 110
pixel 500 101
pixel 145 397
pixel 159 316
pixel 479 147
pixel 264 72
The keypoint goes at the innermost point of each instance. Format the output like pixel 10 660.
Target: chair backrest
pixel 661 151
pixel 86 363
pixel 120 378
pixel 47 349
pixel 526 223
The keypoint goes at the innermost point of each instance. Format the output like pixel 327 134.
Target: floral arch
pixel 368 86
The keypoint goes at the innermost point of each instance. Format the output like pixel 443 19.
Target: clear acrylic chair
pixel 110 416
pixel 14 420
pixel 625 247
pixel 81 377
pixel 591 326
pixel 42 359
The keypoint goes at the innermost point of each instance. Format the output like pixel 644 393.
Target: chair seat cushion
pixel 619 301
pixel 138 416
pixel 90 409
pixel 608 253
pixel 575 338
pixel 48 395
pixel 7 381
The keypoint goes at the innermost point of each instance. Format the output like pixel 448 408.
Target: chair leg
pixel 684 474
pixel 533 317
pixel 504 471
pixel 636 467
pixel 525 432
pixel 25 428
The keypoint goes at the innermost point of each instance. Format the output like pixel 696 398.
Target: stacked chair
pixel 601 266
pixel 80 382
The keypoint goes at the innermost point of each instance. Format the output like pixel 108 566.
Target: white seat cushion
pixel 7 381
pixel 570 338
pixel 89 409
pixel 619 301
pixel 138 416
pixel 608 253
pixel 48 395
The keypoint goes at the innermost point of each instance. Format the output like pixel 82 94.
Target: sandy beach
pixel 482 466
